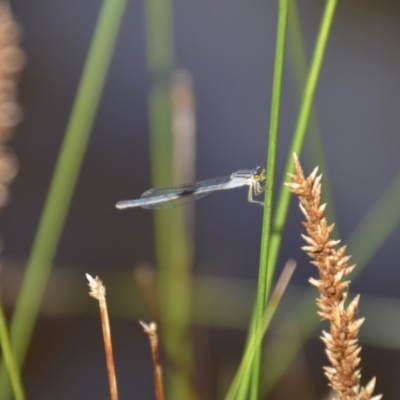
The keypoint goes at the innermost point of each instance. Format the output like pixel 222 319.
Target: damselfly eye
pixel 260 171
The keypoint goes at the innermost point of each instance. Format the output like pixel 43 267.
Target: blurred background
pixel 227 48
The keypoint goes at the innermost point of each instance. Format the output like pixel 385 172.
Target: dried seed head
pixel 341 342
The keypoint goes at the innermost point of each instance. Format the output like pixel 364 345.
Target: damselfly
pixel 177 195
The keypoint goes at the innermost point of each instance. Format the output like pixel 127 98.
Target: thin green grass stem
pixel 8 357
pixel 376 226
pixel 249 355
pixel 298 138
pixel 250 352
pixel 270 176
pixel 63 182
pixel 298 66
pixel 172 249
pixel 299 134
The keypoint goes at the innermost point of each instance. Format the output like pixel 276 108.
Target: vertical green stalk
pixel 63 182
pixel 272 305
pixel 8 357
pixel 264 278
pixel 173 258
pixel 298 67
pixel 301 127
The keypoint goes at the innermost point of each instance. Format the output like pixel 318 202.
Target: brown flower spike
pixel 341 342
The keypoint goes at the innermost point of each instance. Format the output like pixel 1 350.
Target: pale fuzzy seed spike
pixel 90 278
pixel 355 326
pixel 314 282
pixel 342 348
pixel 344 259
pixel 355 353
pixel 377 397
pixel 340 252
pixel 316 189
pixel 151 327
pixel 309 240
pixel 326 341
pixel 331 227
pixel 353 306
pixel 316 193
pixel 338 276
pixel 351 349
pixel 317 183
pixel 296 162
pixel 291 176
pixel 350 269
pixel 343 286
pixel 331 358
pixel 355 364
pixel 324 316
pixel 303 210
pixel 369 388
pixel 96 287
pixel 315 263
pixel 322 207
pixel 329 370
pixel 297 167
pixel 293 186
pixel 309 249
pixel 314 174
pixel 333 243
pixel 327 335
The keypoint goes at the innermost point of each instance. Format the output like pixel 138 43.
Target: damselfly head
pixel 259 174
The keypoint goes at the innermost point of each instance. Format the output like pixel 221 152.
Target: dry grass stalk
pixel 98 291
pixel 12 60
pixel 341 342
pixel 151 330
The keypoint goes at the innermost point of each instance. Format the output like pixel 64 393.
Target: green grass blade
pixel 8 357
pixel 251 350
pixel 298 66
pixel 301 127
pixel 376 226
pixel 63 182
pixel 270 175
pixel 298 139
pixel 172 248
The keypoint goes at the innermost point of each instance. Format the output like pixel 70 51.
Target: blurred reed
pixel 12 60
pixel 167 104
pixel 63 182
